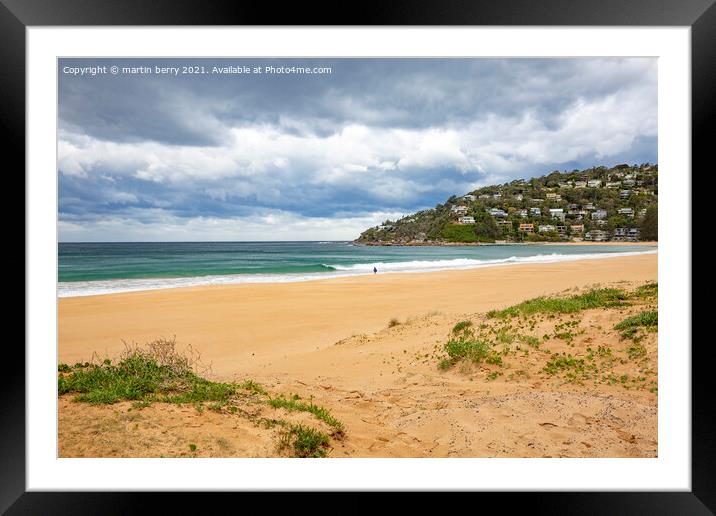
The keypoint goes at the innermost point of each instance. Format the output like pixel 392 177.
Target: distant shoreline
pixel 476 244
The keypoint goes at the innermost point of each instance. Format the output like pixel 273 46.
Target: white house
pixel 557 213
pixel 594 183
pixel 496 212
pixel 596 235
pixel 466 220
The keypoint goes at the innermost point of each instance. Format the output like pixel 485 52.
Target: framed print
pixel 421 252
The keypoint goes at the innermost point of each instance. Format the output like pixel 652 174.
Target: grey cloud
pixel 377 135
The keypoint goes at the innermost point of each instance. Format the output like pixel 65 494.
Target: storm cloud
pixel 322 156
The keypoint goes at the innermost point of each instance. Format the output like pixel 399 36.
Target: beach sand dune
pixel 331 341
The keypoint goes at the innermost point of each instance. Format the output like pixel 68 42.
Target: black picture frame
pixel 700 15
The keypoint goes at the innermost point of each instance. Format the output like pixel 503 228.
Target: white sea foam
pixel 90 288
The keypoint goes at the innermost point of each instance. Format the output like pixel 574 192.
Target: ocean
pixel 104 268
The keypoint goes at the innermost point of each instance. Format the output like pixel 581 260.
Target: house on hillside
pixel 594 183
pixel 599 215
pixel 624 194
pixel 469 197
pixel 460 210
pixel 497 212
pixel 527 228
pixel 626 234
pixel 628 212
pixel 596 235
pixel 557 213
pixel 546 228
pixel 466 220
pixel 536 212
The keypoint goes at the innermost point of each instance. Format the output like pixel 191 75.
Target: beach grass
pixel 595 298
pixel 304 441
pixel 501 339
pixel 157 373
pixel 140 376
pixel 295 404
pixel 630 325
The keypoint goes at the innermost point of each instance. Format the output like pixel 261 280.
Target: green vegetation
pixel 636 350
pixel 460 327
pixel 464 344
pixel 158 373
pixel 596 298
pixel 633 187
pixel 646 291
pixel 293 404
pixel 459 233
pixel 572 369
pixel 513 332
pixel 650 224
pixel 631 325
pixel 139 376
pixel 304 441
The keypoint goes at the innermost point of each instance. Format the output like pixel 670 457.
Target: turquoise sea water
pixel 96 268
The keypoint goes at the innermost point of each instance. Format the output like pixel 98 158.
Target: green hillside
pixel 597 204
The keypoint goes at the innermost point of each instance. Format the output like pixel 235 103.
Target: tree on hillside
pixel 649 225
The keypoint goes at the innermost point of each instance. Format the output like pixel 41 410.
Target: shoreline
pixel 149 284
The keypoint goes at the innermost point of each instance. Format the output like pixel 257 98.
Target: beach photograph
pixel 357 258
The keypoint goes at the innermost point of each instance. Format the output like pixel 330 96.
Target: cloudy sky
pixel 291 156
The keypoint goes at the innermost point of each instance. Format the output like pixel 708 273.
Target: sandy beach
pixel 330 339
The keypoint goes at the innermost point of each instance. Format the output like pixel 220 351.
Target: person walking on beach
pixel 375 271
